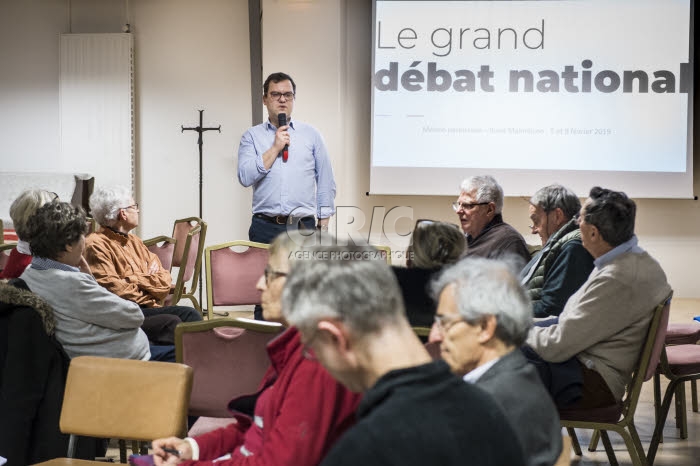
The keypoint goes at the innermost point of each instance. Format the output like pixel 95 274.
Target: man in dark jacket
pixel 483 317
pixel 414 411
pixel 563 264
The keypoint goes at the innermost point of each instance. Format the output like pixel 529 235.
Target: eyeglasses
pixel 54 196
pixel 457 206
pixel 271 274
pixel 132 206
pixel 279 95
pixel 444 323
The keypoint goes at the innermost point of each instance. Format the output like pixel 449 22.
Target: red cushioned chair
pixel 232 271
pixel 229 359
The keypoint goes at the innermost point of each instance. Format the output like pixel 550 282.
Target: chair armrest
pixel 152 241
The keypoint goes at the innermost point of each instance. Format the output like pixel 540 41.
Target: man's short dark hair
pixel 278 77
pixel 53 227
pixel 613 213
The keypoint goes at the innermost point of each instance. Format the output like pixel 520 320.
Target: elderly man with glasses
pixel 414 411
pixel 287 164
pixel 121 263
pixel 563 264
pixel 479 210
pixel 483 317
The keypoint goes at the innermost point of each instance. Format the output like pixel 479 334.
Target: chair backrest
pixel 164 248
pixel 649 356
pixel 385 252
pixel 5 250
pixel 659 339
pixel 125 398
pixel 190 263
pixel 181 228
pixel 232 275
pixel 229 359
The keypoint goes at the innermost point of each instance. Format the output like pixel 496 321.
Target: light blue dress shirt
pixel 628 246
pixel 303 186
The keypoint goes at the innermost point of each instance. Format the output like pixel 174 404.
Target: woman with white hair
pixel 21 209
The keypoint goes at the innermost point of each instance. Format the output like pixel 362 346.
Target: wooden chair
pixel 123 398
pixel 680 364
pixel 184 251
pixel 385 251
pixel 232 275
pixel 229 359
pixel 620 417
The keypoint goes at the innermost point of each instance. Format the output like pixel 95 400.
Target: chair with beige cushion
pixel 125 399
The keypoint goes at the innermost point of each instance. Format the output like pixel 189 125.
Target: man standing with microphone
pixel 287 164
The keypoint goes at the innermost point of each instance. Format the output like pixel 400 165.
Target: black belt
pixel 281 219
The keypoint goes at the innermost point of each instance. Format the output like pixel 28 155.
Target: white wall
pixel 193 55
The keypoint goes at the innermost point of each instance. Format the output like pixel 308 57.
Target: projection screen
pixel 579 92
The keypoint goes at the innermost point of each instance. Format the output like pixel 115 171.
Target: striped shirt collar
pixel 42 263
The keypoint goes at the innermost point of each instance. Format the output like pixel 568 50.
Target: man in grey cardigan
pixel 602 328
pixel 483 317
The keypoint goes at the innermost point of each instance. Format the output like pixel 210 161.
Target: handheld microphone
pixel 282 121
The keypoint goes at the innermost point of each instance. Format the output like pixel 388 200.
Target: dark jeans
pixel 160 328
pixel 159 322
pixel 563 380
pixel 264 231
pixel 185 313
pixel 164 353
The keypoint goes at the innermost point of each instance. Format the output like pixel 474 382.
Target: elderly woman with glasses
pixel 433 245
pixel 300 410
pixel 122 263
pixel 21 209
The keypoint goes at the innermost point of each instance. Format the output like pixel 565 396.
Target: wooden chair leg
pixel 657 402
pixel 694 395
pixel 574 441
pixel 682 413
pixel 660 421
pixel 593 444
pixel 122 451
pixel 608 447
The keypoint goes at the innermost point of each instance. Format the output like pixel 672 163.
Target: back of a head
pixel 105 203
pixel 53 227
pixel 486 287
pixel 487 190
pixel 24 207
pixel 349 283
pixel 556 196
pixel 435 244
pixel 612 213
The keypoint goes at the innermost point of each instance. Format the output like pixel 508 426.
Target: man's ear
pixel 336 335
pixel 491 209
pixel 559 216
pixel 488 328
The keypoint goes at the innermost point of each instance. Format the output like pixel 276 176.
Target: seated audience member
pixel 563 264
pixel 433 245
pixel 414 411
pixel 21 209
pixel 122 263
pixel 482 320
pixel 479 210
pixel 596 343
pixel 89 319
pixel 300 410
pixel 33 368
